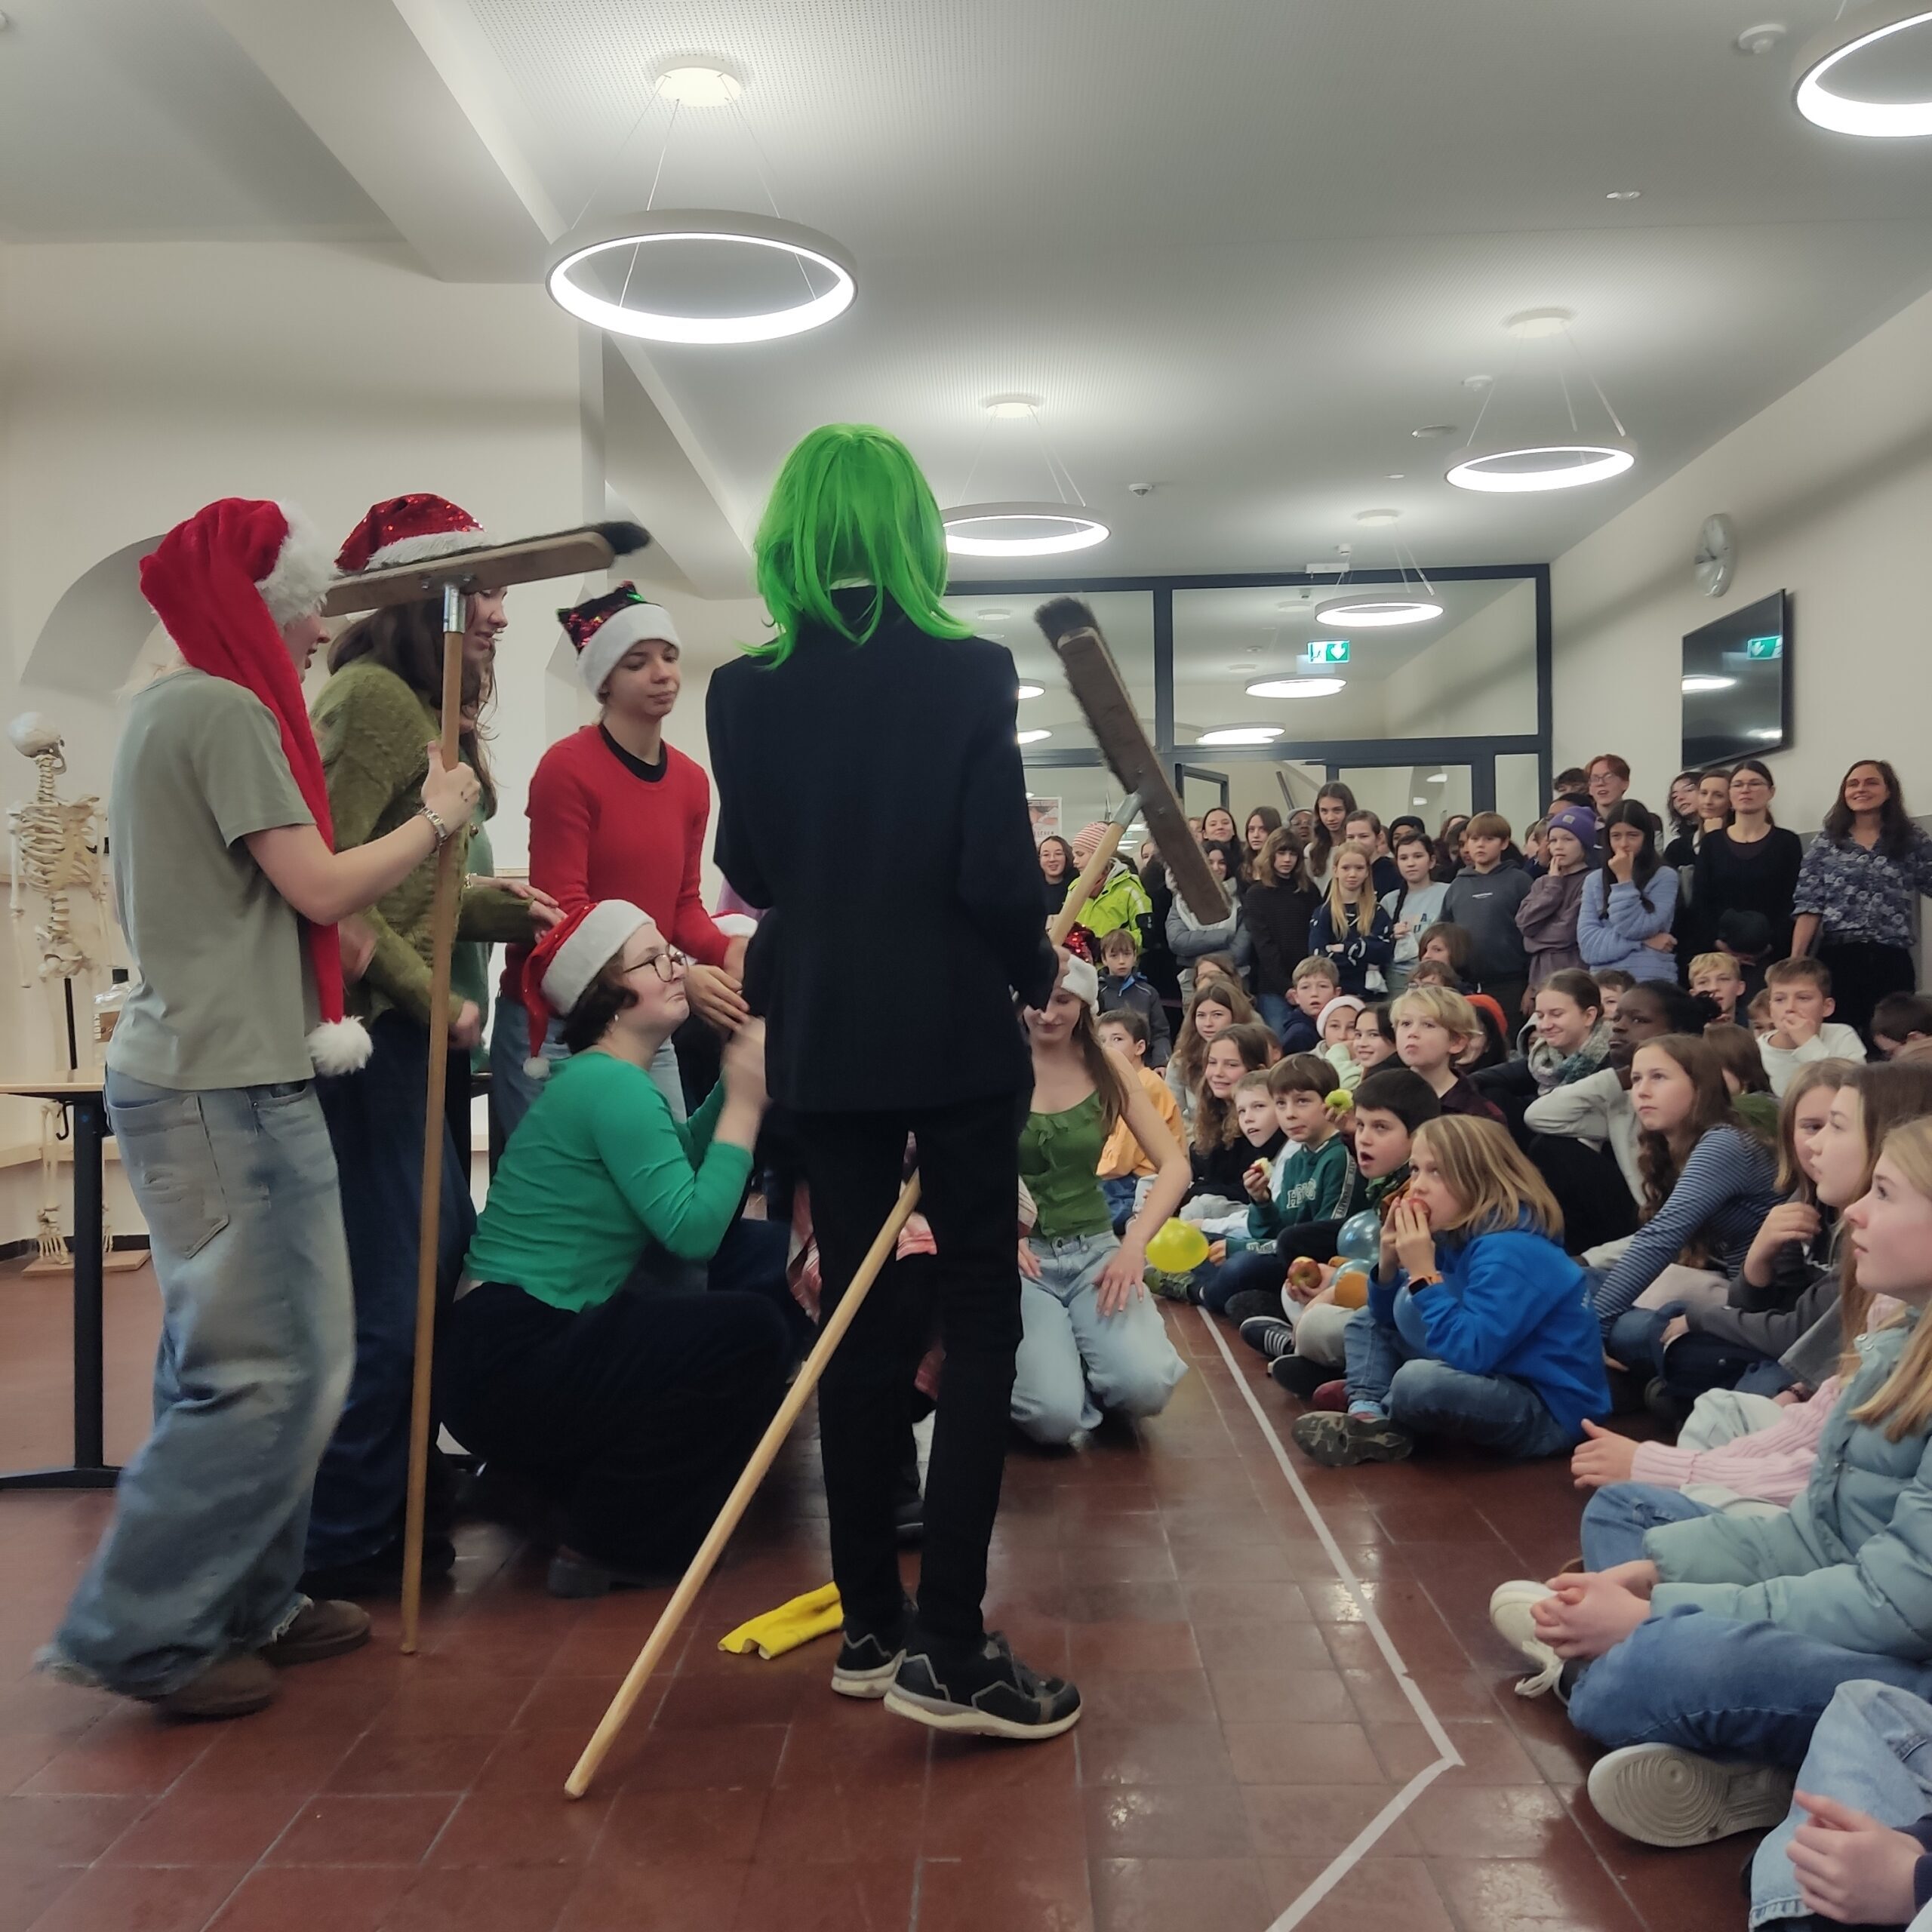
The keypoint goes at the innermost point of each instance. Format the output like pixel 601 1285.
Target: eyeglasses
pixel 668 962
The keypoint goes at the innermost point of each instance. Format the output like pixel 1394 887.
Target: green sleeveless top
pixel 1059 1159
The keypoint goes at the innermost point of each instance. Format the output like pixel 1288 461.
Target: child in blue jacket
pixel 1477 1326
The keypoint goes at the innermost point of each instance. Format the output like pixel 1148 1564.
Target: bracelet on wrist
pixel 440 831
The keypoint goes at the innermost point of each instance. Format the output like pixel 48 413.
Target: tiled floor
pixel 1242 1726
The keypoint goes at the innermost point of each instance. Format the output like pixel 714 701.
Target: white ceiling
pixel 1239 248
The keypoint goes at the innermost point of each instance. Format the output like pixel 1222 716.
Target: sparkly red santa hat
pixel 602 628
pixel 408 530
pixel 223 583
pixel 563 962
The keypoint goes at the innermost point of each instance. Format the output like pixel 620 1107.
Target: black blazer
pixel 871 797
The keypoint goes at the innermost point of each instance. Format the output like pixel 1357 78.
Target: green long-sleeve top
pixel 372 730
pixel 597 1167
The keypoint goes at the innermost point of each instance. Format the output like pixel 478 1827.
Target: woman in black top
pixel 1749 865
pixel 1058 870
pixel 1276 909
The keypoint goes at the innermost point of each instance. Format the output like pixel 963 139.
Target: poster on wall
pixel 1045 815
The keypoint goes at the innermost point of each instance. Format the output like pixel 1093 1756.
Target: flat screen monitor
pixel 1737 685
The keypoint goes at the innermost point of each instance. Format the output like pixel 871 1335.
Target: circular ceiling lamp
pixel 1699 680
pixel 1297 688
pixel 1022 528
pixel 1033 690
pixel 1820 86
pixel 1528 465
pixel 1241 735
pixel 1369 612
pixel 700 275
pixel 1031 737
pixel 617 256
pixel 1367 606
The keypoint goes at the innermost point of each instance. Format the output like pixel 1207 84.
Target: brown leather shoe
pixel 235 1687
pixel 320 1630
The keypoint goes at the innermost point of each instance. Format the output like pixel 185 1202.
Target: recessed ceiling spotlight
pixel 995 610
pixel 1531 323
pixel 1031 737
pixel 1370 613
pixel 1244 667
pixel 1395 476
pixel 1701 682
pixel 1760 39
pixel 1869 112
pixel 1242 734
pixel 1378 516
pixel 1625 195
pixel 704 83
pixel 1432 433
pixel 1033 690
pixel 1007 407
pixel 1478 383
pixel 1297 687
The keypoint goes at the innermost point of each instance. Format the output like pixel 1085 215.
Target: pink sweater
pixel 1771 1465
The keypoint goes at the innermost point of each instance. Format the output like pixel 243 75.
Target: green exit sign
pixel 1764 647
pixel 1328 651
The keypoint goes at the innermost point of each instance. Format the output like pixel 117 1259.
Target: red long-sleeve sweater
pixel 599 830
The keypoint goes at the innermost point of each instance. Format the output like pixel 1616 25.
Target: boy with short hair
pixel 1898 1020
pixel 1314 985
pixel 1715 976
pixel 1123 1162
pixel 1613 983
pixel 1482 899
pixel 1802 1028
pixel 1434 1027
pixel 1303 1337
pixel 1122 984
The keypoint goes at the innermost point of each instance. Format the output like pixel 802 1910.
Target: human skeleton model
pixel 55 846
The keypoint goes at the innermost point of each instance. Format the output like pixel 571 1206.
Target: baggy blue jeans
pixel 1429 1397
pixel 1618 1515
pixel 1873 1750
pixel 1074 1361
pixel 1748 1691
pixel 238 1187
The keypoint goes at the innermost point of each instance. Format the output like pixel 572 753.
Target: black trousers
pixel 1589 1188
pixel 1862 975
pixel 634 1418
pixel 969 1167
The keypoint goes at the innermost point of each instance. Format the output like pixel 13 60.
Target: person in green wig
pixel 870 795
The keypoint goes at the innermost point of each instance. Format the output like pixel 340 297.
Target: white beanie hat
pixel 1081 980
pixel 603 628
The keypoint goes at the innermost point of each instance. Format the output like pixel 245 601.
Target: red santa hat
pixel 563 962
pixel 602 628
pixel 223 583
pixel 409 529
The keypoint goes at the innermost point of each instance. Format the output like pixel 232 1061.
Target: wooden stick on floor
pixel 442 937
pixel 800 1392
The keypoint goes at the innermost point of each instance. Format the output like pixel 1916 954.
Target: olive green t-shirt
pixel 222 995
pixel 1059 1157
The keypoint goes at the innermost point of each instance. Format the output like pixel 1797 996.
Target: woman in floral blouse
pixel 1858 889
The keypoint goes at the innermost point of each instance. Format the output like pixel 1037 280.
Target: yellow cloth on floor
pixel 817 1613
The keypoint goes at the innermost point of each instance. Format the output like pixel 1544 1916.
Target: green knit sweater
pixel 372 731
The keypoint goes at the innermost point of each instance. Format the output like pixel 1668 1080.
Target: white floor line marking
pixel 1451 1759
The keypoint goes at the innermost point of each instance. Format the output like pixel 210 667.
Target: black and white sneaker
pixel 868 1661
pixel 1298 1376
pixel 1269 1334
pixel 981 1691
pixel 1243 1306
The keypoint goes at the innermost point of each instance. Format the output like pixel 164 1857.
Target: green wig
pixel 850 506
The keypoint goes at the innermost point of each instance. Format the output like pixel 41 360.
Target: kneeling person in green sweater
pixel 632 1411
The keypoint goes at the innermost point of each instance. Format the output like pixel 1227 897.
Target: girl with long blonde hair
pixel 1350 929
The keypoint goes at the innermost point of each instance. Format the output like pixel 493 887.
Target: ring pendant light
pixel 630 255
pixel 1037 528
pixel 1843 113
pixel 1521 468
pixel 1369 607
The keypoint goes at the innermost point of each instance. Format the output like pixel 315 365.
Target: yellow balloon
pixel 1351 1286
pixel 1179 1248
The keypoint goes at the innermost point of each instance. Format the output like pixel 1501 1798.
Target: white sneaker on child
pixel 1662 1794
pixel 1510 1606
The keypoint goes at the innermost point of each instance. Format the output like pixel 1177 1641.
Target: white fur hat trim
pixel 1082 981
pixel 616 635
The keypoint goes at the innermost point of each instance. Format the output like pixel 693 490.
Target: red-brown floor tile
pixel 1491 1751
pixel 830 1824
pixel 501 1899
pixel 1162 1894
pixel 278 1898
pixel 123 1755
pixel 1317 1821
pixel 1283 1696
pixel 1377 1891
pixel 240 1758
pixel 1498 1821
pixel 454 1707
pixel 734 1756
pixel 521 1828
pixel 1024 1822
pixel 957 1765
pixel 390 1763
pixel 1245 1603
pixel 27 1888
pixel 708 1826
pixel 64 1830
pixel 1146 1696
pixel 1133 1648
pixel 141 1898
pixel 871 1897
pixel 205 1828
pixel 1049 1896
pixel 1165 1822
pixel 673 1895
pixel 1293 1753
pixel 1117 1753
pixel 1503 1894
pixel 337 1828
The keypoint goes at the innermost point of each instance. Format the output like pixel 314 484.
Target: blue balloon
pixel 1360 1237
